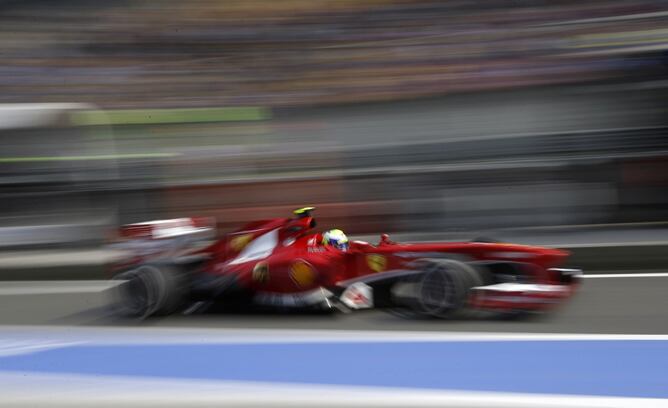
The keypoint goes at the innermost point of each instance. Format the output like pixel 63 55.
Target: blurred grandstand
pixel 303 52
pixel 389 115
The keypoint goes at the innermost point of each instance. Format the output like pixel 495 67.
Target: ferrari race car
pixel 284 264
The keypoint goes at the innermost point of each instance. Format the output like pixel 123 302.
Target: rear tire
pixel 150 290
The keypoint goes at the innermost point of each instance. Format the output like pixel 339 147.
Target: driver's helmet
pixel 335 238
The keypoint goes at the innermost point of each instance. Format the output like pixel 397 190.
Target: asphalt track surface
pixel 609 305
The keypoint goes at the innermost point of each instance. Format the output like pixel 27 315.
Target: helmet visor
pixel 343 246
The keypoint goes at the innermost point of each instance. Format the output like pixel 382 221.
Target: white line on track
pixel 626 275
pixel 14 347
pixel 54 287
pixel 175 335
pixel 65 390
pixel 610 244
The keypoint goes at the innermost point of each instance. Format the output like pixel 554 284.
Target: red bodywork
pixel 283 257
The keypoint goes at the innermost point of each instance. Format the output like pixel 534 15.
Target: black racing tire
pixel 443 289
pixel 150 290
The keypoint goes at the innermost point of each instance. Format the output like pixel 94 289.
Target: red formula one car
pixel 284 264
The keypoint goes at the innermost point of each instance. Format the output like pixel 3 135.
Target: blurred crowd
pixel 494 113
pixel 174 53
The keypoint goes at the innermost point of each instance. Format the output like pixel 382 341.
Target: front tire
pixel 443 289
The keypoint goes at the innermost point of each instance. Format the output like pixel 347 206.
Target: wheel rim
pixel 134 294
pixel 137 292
pixel 437 291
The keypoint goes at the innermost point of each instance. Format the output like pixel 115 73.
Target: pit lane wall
pixel 459 163
pixel 582 155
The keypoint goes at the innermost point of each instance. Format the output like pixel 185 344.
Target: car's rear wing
pixel 173 239
pixel 197 228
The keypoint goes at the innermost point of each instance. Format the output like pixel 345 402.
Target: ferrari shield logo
pixel 302 273
pixel 260 273
pixel 377 263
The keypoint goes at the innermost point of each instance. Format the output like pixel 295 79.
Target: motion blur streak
pixel 493 115
pixel 539 120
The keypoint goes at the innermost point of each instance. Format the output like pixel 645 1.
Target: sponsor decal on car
pixel 302 273
pixel 358 296
pixel 238 243
pixel 376 262
pixel 260 272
